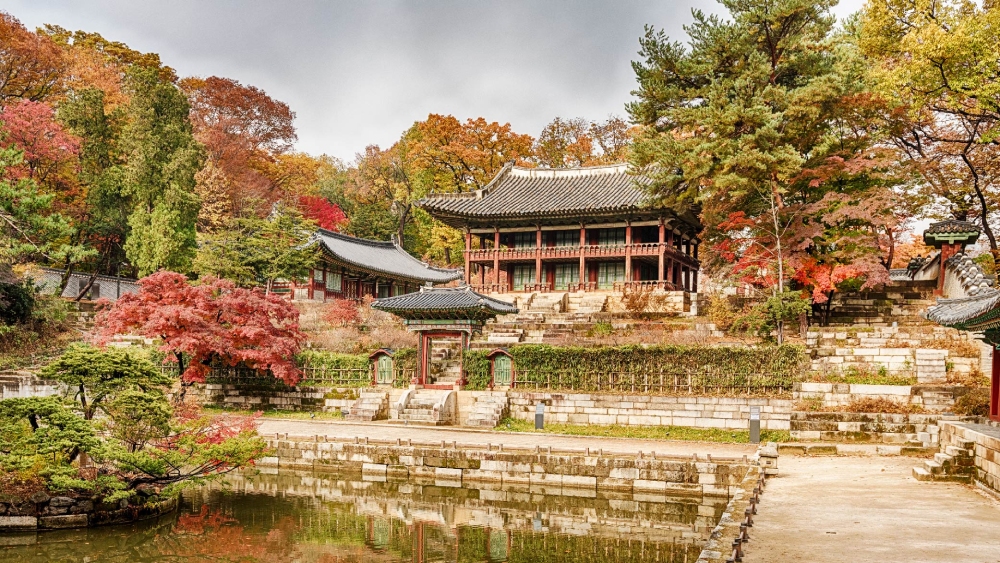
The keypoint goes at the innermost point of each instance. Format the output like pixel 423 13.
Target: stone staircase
pixel 488 410
pixel 956 463
pixel 445 363
pixel 586 302
pixel 901 302
pixel 430 407
pixel 373 404
pixel 548 302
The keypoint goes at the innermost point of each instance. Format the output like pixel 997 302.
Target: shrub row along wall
pixel 652 410
pixel 456 463
pixel 647 369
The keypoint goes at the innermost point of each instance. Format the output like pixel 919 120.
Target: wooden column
pixel 496 256
pixel 468 256
pixel 659 253
pixel 995 387
pixel 628 251
pixel 583 263
pixel 538 255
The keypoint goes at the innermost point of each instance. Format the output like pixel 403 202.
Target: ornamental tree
pixel 210 323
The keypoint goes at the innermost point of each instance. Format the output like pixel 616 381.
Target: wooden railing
pixel 646 284
pixel 587 251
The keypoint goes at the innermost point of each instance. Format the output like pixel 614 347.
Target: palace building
pixel 352 268
pixel 579 229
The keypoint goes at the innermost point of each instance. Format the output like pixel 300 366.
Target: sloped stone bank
pixel 985 442
pixel 867 427
pixel 456 463
pixel 42 512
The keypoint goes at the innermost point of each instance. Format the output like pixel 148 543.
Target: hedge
pixel 607 368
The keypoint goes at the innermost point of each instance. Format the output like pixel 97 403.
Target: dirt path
pixel 869 509
pixel 383 431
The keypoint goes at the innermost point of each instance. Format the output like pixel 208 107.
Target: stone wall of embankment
pixel 456 463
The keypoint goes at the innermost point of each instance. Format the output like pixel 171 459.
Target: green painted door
pixel 501 371
pixel 523 275
pixel 383 372
pixel 608 273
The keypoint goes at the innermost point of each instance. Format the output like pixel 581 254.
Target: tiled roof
pixel 980 309
pixel 386 258
pixel 444 301
pixel 527 193
pixel 952 226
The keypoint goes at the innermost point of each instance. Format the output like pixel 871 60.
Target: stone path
pixel 383 431
pixel 869 509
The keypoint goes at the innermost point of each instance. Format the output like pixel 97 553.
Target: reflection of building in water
pixel 424 523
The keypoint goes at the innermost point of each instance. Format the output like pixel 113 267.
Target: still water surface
pixel 324 518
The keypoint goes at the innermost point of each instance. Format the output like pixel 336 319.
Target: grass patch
pixel 684 433
pixel 283 414
pixel 865 375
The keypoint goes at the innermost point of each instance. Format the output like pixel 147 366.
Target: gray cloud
pixel 358 73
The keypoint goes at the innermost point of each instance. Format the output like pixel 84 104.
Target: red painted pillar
pixel 538 256
pixel 496 256
pixel 947 251
pixel 662 240
pixel 468 255
pixel 995 387
pixel 583 263
pixel 628 251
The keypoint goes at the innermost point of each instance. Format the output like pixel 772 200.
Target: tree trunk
pixel 86 288
pixel 64 279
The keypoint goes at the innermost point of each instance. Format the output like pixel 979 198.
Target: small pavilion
pixel 442 313
pixel 971 299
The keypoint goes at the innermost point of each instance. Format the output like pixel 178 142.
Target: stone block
pixel 624 473
pixel 17 523
pixel 61 522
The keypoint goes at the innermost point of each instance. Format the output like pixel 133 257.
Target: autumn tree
pixel 567 143
pixel 212 323
pixel 756 124
pixel 32 67
pixel 244 132
pixel 935 61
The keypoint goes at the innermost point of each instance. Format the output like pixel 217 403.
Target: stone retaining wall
pixel 651 410
pixel 453 464
pixel 42 512
pixel 864 427
pixel 254 397
pixel 986 440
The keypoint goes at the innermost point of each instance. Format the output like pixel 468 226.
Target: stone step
pixel 933 467
pixel 921 474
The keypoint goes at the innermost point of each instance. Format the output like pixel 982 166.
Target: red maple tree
pixel 327 215
pixel 212 323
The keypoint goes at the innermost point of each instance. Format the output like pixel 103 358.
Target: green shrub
pixel 331 360
pixel 477 370
pixel 17 301
pixel 613 368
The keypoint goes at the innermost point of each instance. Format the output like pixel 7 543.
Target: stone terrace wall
pixel 865 427
pixel 453 464
pixel 41 512
pixel 251 397
pixel 986 446
pixel 648 410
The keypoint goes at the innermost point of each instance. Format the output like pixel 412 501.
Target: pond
pixel 327 518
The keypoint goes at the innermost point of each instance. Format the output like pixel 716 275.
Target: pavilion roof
pixel 380 258
pixel 951 231
pixel 546 193
pixel 444 303
pixel 979 310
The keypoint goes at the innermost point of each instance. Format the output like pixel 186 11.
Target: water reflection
pixel 325 518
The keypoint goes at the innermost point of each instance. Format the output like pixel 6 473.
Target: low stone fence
pixel 451 464
pixel 986 445
pixel 922 429
pixel 275 396
pixel 931 397
pixel 26 385
pixel 651 410
pixel 42 512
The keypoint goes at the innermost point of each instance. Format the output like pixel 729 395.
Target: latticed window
pixel 318 275
pixel 611 237
pixel 502 372
pixel 524 274
pixel 608 273
pixel 334 281
pixel 566 274
pixel 524 240
pixel 567 238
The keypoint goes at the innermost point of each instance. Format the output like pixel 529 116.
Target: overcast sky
pixel 359 73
